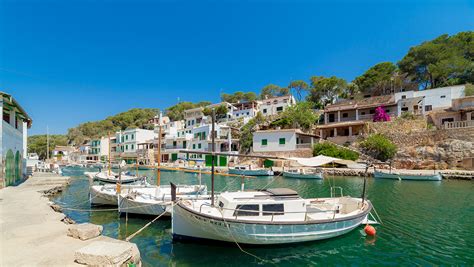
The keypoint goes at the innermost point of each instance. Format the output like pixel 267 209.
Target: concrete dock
pixel 32 233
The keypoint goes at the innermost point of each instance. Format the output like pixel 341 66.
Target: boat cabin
pixel 276 204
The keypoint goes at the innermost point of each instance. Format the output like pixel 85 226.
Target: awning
pixel 324 160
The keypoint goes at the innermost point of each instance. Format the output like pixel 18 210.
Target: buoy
pixel 370 230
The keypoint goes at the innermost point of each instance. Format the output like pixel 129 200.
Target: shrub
pixel 381 115
pixel 407 115
pixel 378 146
pixel 469 90
pixel 331 150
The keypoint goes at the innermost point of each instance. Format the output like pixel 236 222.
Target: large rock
pixel 84 231
pixel 108 253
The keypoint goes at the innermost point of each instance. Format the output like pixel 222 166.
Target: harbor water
pixel 424 223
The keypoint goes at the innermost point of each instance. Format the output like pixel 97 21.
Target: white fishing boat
pixel 272 216
pixel 303 173
pixel 106 194
pixel 154 200
pixel 124 178
pixel 407 176
pixel 249 171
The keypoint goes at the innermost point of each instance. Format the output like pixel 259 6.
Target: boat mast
pixel 158 171
pixel 47 143
pixel 108 133
pixel 212 155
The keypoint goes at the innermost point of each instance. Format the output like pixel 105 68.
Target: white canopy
pixel 323 160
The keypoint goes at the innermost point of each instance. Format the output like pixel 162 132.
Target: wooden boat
pixel 106 194
pixel 414 177
pixel 154 200
pixel 248 171
pixel 272 216
pixel 114 178
pixel 303 174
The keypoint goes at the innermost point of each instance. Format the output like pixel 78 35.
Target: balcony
pixel 458 124
pixel 304 145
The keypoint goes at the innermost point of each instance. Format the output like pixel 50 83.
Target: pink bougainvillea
pixel 381 115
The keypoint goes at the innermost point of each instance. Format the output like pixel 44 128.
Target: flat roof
pixel 297 131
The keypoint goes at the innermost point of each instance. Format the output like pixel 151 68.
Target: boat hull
pixel 251 172
pixel 398 176
pixel 99 197
pixel 303 176
pixel 128 205
pixel 190 225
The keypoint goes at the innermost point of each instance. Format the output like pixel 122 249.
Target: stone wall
pixel 422 148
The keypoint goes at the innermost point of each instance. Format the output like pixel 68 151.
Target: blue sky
pixel 69 62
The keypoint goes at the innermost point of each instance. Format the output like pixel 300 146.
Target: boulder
pixel 84 231
pixel 108 253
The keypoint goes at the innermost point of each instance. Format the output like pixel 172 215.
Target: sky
pixel 69 62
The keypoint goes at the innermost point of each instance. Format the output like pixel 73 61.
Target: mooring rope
pixel 148 224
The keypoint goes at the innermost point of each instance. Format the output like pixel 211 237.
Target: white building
pixel 429 99
pixel 195 117
pixel 128 141
pixel 282 140
pixel 246 110
pixel 62 154
pixel 99 149
pixel 13 140
pixel 275 105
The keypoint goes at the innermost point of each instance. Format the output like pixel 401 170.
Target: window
pixel 264 110
pixel 269 103
pixel 279 109
pixel 184 144
pixel 345 115
pixel 6 116
pixel 122 139
pixel 199 146
pixel 133 147
pixel 132 137
pixel 282 141
pixel 272 209
pixel 126 147
pixel 264 142
pixel 126 137
pixel 443 96
pixel 248 113
pixel 362 113
pixel 428 108
pixel 221 205
pixel 404 96
pixel 194 146
pixel 405 109
pixel 372 111
pixel 387 110
pixel 275 101
pixel 246 210
pixel 174 143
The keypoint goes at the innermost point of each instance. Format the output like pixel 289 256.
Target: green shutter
pixel 282 141
pixel 264 142
pixel 222 161
pixel 174 157
pixel 268 163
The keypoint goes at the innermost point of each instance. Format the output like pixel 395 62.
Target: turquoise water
pixel 424 223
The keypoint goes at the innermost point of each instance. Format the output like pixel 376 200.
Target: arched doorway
pixel 18 167
pixel 9 168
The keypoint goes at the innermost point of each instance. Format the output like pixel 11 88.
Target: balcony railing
pixel 305 145
pixel 458 124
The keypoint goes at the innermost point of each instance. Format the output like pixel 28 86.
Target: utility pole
pixel 212 155
pixel 158 172
pixel 47 143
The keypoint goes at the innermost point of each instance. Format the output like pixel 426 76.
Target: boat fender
pixel 370 230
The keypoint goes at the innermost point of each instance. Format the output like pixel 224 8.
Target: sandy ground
pixel 31 232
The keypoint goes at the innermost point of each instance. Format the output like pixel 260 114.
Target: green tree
pixel 324 90
pixel 38 143
pixel 238 97
pixel 300 115
pixel 246 133
pixel 469 90
pixel 379 147
pixel 446 60
pixel 220 111
pixel 299 87
pixel 176 112
pixel 377 80
pixel 273 90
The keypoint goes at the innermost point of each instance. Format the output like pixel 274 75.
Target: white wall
pixel 437 98
pixel 273 139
